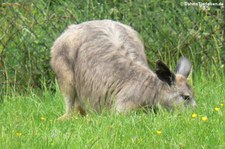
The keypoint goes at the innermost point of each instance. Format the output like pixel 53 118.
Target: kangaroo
pixel 102 64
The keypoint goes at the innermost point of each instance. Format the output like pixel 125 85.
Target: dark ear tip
pixel 159 62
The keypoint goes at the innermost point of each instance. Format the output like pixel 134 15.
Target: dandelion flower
pixel 194 115
pixel 18 134
pixel 204 118
pixel 221 104
pixel 158 132
pixel 42 118
pixel 216 109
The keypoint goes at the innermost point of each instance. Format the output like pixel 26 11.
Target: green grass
pixel 167 27
pixel 168 30
pixel 30 122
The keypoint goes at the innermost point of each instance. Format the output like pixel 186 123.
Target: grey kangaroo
pixel 102 64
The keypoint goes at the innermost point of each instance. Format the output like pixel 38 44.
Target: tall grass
pixel 30 122
pixel 168 29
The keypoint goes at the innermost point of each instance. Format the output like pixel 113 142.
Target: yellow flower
pixel 221 104
pixel 158 132
pixel 42 118
pixel 18 134
pixel 216 109
pixel 194 115
pixel 204 118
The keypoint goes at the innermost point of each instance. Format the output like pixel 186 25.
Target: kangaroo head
pixel 175 91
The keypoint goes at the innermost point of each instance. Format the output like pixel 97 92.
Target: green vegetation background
pixel 169 29
pixel 30 100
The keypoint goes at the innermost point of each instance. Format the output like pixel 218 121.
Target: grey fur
pixel 101 64
pixel 183 67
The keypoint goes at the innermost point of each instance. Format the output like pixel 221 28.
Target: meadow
pixel 30 101
pixel 29 121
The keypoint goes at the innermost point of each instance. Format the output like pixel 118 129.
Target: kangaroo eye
pixel 186 97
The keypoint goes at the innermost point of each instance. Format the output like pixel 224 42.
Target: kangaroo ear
pixel 164 73
pixel 183 67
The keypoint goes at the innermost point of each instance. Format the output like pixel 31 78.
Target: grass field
pixel 30 122
pixel 168 29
